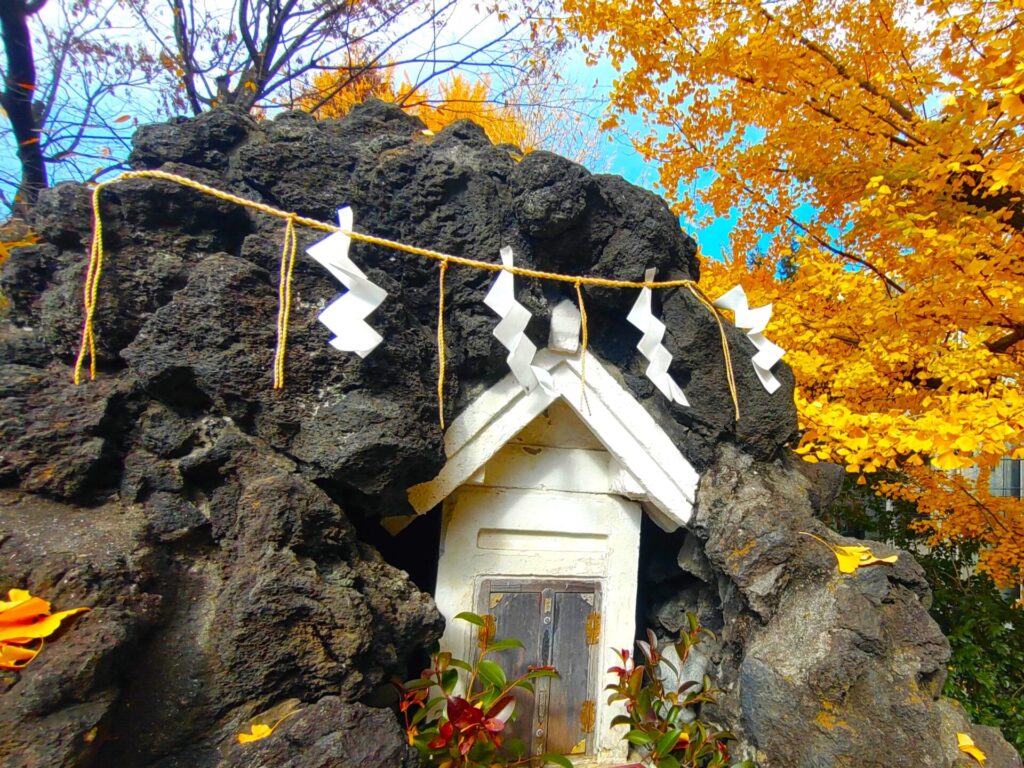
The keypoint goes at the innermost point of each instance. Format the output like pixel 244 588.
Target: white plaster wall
pixel 539 531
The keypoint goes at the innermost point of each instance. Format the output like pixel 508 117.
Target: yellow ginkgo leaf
pixel 966 745
pixel 23 611
pixel 23 633
pixel 258 731
pixel 16 656
pixel 14 597
pixel 852 557
pixel 262 730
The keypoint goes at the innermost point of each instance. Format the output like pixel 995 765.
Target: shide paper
pixel 510 330
pixel 345 317
pixel 754 321
pixel 650 345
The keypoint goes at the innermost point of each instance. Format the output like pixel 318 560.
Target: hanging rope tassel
pixel 729 376
pixel 284 299
pixel 87 346
pixel 584 339
pixel 440 342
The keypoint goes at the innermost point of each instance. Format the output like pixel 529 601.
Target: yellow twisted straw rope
pixel 284 299
pixel 440 342
pixel 583 346
pixel 88 341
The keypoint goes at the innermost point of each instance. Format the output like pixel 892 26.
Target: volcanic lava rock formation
pixel 218 529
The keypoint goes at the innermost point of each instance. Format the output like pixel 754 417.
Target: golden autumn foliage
pixel 333 93
pixel 875 153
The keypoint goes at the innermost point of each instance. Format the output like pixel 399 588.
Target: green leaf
pixel 668 741
pixel 621 720
pixel 638 737
pixel 636 678
pixel 691 618
pixel 492 673
pixel 667 762
pixel 533 674
pixel 504 645
pixel 643 704
pixel 420 682
pixel 461 665
pixel 526 685
pixel 559 760
pixel 516 748
pixel 448 680
pixel 472 618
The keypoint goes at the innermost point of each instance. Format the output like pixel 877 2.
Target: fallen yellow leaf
pixel 261 730
pixel 24 621
pixel 852 557
pixel 16 656
pixel 966 745
pixel 23 633
pixel 258 731
pixel 14 596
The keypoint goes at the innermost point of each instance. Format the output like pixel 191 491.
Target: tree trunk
pixel 18 95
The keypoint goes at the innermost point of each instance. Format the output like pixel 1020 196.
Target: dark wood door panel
pixel 550 617
pixel 516 615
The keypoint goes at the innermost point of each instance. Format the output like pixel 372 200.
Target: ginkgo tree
pixel 874 154
pixel 455 98
pixel 542 111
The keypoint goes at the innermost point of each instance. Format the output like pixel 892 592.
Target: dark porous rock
pixel 829 666
pixel 550 192
pixel 328 734
pixel 172 515
pixel 24 275
pixel 94 558
pixel 23 346
pixel 219 528
pixel 62 440
pixel 826 481
pixel 204 141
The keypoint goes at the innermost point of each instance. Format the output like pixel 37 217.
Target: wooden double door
pixel 559 623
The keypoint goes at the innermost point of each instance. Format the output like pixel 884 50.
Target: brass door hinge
pixel 588 715
pixel 485 634
pixel 594 628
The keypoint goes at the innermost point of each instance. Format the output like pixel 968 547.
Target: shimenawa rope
pixel 96 255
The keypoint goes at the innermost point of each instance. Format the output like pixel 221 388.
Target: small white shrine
pixel 542 493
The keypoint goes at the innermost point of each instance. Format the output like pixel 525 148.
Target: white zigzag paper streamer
pixel 510 330
pixel 754 321
pixel 650 345
pixel 345 317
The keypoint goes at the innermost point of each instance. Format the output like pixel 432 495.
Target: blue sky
pixel 618 156
pixel 615 151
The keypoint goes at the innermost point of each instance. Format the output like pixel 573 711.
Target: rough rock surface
pixel 217 528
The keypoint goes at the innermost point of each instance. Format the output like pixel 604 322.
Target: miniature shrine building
pixel 542 497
